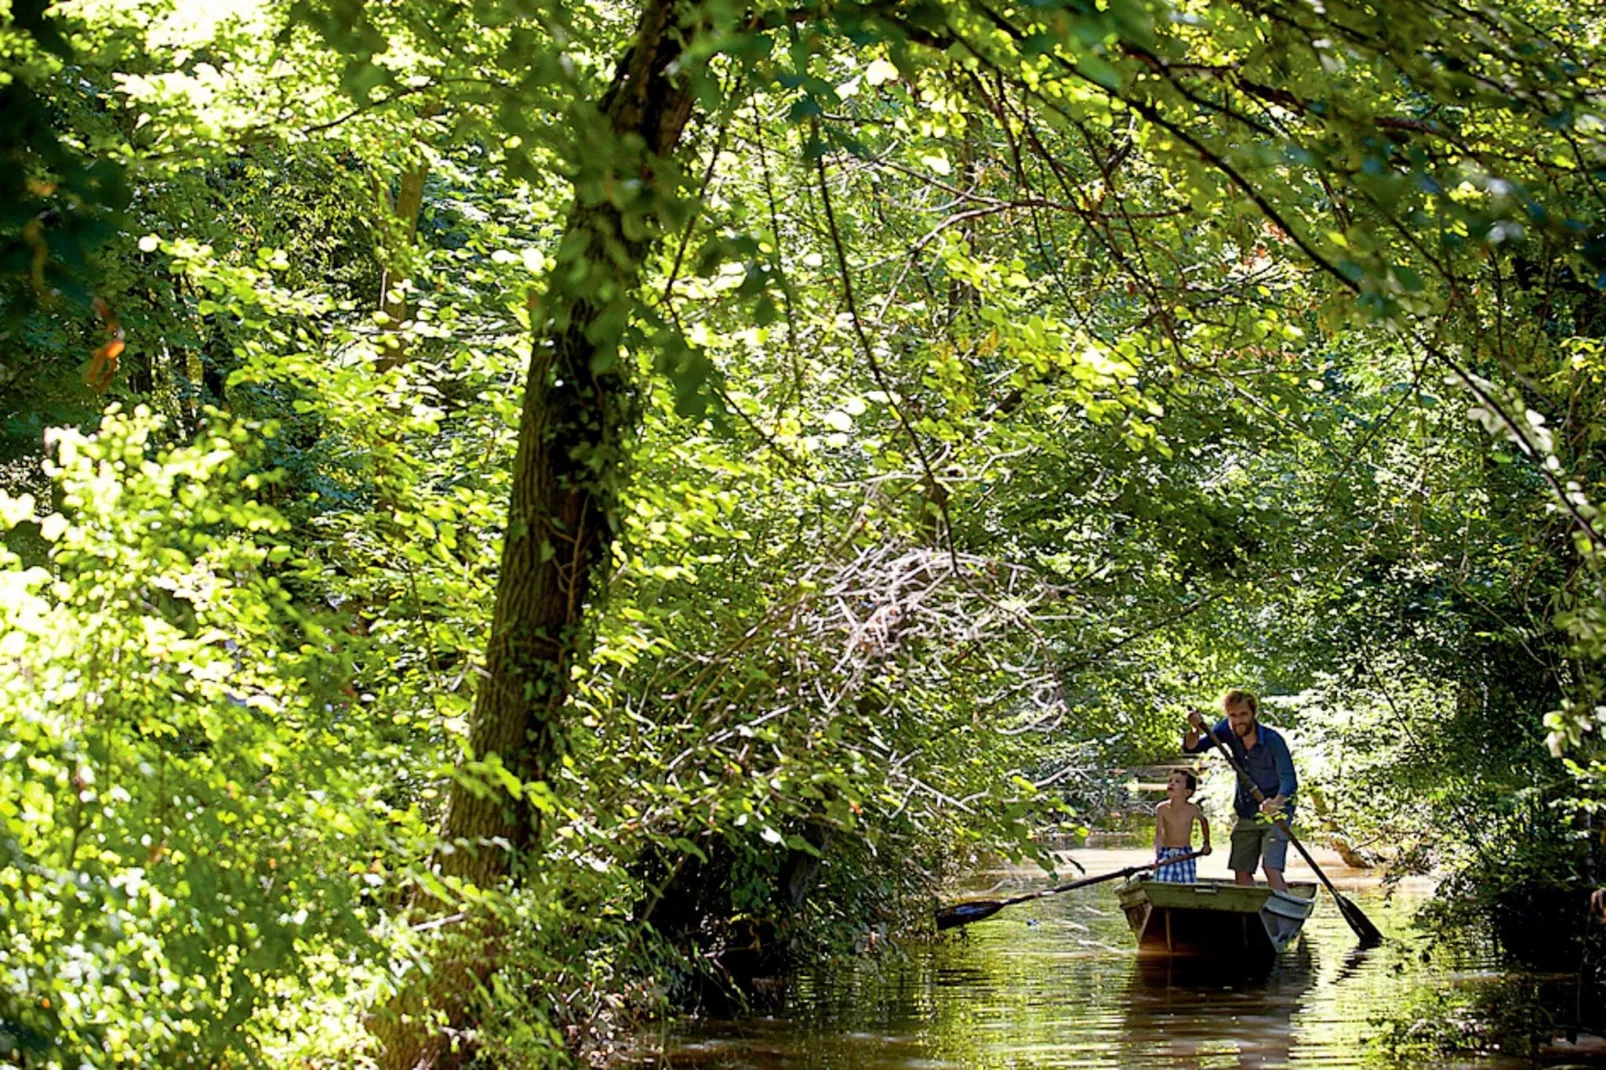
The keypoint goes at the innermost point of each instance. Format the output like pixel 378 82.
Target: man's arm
pixel 1287 781
pixel 1204 828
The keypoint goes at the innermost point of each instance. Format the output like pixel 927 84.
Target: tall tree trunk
pixel 579 414
pixel 399 224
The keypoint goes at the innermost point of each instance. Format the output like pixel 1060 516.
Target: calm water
pixel 1056 983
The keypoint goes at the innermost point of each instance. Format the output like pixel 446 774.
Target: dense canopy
pixel 526 514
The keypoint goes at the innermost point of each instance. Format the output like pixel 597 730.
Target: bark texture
pixel 579 413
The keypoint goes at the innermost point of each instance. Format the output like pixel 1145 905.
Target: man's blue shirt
pixel 1268 764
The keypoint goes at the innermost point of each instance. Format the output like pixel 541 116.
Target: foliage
pixel 187 821
pixel 983 378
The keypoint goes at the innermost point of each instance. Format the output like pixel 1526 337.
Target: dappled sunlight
pixel 540 532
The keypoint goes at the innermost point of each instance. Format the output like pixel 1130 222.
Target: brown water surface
pixel 1056 983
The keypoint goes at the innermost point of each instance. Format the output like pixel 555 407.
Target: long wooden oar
pixel 1364 930
pixel 977 909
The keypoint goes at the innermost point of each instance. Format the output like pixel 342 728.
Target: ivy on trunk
pixel 579 413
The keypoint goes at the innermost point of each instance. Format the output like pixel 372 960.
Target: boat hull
pixel 1214 917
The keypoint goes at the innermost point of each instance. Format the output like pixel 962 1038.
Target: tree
pixel 578 417
pixel 918 394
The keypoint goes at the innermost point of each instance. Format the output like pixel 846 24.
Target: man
pixel 1263 753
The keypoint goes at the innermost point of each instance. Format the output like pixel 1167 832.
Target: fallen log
pixel 1340 842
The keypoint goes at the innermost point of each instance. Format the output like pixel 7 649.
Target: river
pixel 1056 983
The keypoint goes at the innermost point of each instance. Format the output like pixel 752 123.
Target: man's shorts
pixel 1257 841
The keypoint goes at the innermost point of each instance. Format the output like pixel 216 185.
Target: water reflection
pixel 1057 983
pixel 1187 1013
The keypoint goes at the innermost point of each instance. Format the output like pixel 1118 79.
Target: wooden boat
pixel 1214 917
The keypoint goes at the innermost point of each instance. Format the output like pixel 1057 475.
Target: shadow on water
pixel 1057 983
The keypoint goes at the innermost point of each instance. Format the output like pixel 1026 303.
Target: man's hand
pixel 1273 805
pixel 1196 719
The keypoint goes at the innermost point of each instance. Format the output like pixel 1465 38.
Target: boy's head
pixel 1181 783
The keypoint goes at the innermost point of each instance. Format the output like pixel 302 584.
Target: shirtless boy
pixel 1173 829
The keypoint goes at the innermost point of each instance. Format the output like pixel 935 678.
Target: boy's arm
pixel 1159 820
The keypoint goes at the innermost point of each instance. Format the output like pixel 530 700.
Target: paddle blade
pixel 1365 931
pixel 965 913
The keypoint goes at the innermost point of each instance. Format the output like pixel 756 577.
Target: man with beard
pixel 1263 753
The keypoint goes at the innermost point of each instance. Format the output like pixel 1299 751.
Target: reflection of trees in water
pixel 1184 1012
pixel 1419 1003
pixel 1059 984
pixel 1039 986
pixel 1527 1016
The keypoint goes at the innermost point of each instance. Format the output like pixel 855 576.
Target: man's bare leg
pixel 1274 877
pixel 1245 877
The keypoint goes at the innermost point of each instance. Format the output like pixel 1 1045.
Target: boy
pixel 1173 829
